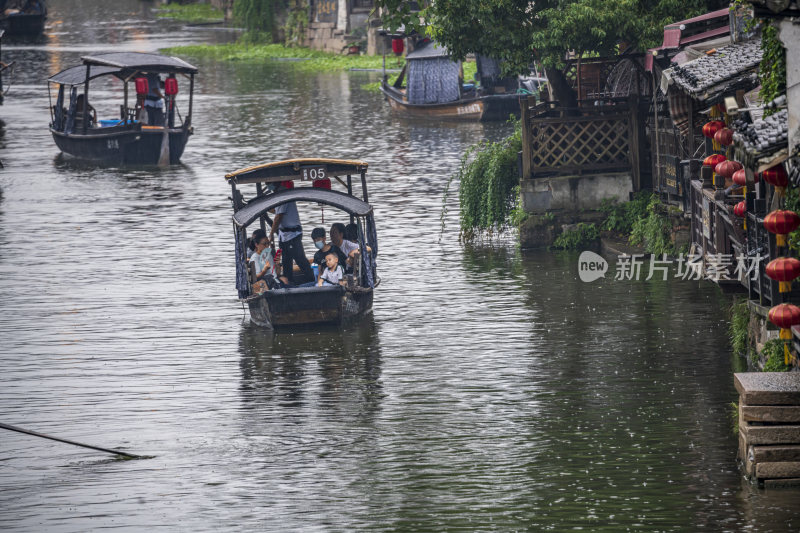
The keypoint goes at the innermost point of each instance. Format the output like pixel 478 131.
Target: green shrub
pixel 653 231
pixel 620 217
pixel 581 237
pixel 737 329
pixel 773 356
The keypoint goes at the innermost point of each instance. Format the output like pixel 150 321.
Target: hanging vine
pixel 296 22
pixel 772 71
pixel 488 178
pixel 257 17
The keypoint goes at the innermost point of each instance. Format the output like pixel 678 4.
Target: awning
pixel 350 204
pixel 141 61
pixel 77 75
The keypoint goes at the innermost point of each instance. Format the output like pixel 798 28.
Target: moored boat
pixel 434 89
pixel 126 137
pixel 299 306
pixel 26 20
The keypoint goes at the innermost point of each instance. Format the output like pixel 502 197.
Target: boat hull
pixel 23 24
pixel 309 306
pixel 481 108
pixel 127 146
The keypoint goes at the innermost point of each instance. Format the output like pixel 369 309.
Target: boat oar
pixel 35 434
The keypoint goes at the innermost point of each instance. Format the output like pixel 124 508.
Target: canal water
pixel 491 389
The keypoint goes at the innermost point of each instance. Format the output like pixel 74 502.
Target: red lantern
pixel 785 316
pixel 711 128
pixel 288 184
pixel 398 45
pixel 776 176
pixel 740 177
pixel 727 168
pixel 323 183
pixel 142 87
pixel 171 86
pixel 740 209
pixel 781 223
pixel 724 136
pixel 783 270
pixel 713 160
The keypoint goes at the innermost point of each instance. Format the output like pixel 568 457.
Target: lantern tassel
pixel 785 286
pixel 780 239
pixel 785 334
pixel 786 354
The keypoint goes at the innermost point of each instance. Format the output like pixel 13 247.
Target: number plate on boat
pixel 314 173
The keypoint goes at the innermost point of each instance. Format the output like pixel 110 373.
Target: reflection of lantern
pixel 776 176
pixel 785 316
pixel 171 86
pixel 724 136
pixel 727 168
pixel 739 209
pixel 713 160
pixel 783 270
pixel 142 87
pixel 781 223
pixel 323 183
pixel 398 46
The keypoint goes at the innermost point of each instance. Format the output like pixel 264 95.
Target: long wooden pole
pixel 42 435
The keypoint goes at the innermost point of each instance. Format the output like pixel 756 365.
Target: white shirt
pixel 332 276
pixel 347 246
pixel 263 259
pixel 290 219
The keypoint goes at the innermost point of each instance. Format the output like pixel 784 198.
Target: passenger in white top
pixel 334 273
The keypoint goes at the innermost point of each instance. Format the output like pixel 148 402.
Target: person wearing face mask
pixel 318 235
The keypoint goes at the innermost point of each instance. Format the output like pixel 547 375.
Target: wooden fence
pixel 589 139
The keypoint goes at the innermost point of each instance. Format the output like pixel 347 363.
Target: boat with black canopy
pixel 23 18
pixel 143 130
pixel 430 85
pixel 332 304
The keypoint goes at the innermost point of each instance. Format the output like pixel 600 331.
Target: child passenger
pixel 334 273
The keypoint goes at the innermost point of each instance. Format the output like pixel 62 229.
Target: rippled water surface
pixel 489 390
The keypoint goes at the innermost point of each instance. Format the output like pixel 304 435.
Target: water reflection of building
pixel 303 371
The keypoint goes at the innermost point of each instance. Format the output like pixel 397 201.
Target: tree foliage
pixel 519 31
pixel 257 16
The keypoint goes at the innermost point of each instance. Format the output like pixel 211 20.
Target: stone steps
pixel 769 426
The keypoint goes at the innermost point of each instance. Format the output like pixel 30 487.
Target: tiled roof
pixel 733 66
pixel 764 136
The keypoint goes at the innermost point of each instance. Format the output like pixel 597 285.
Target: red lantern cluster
pixel 776 176
pixel 142 86
pixel 323 183
pixel 724 136
pixel 727 168
pixel 783 270
pixel 711 128
pixel 781 223
pixel 713 160
pixel 398 45
pixel 740 209
pixel 171 86
pixel 785 316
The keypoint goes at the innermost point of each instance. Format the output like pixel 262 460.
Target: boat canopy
pixel 433 77
pixel 77 75
pixel 430 50
pixel 132 61
pixel 257 207
pixel 295 169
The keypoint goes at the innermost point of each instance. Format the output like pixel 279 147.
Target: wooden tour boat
pixel 123 139
pixel 336 304
pixel 26 21
pixel 435 90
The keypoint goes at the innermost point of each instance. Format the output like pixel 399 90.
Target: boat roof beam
pixel 257 207
pixel 293 169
